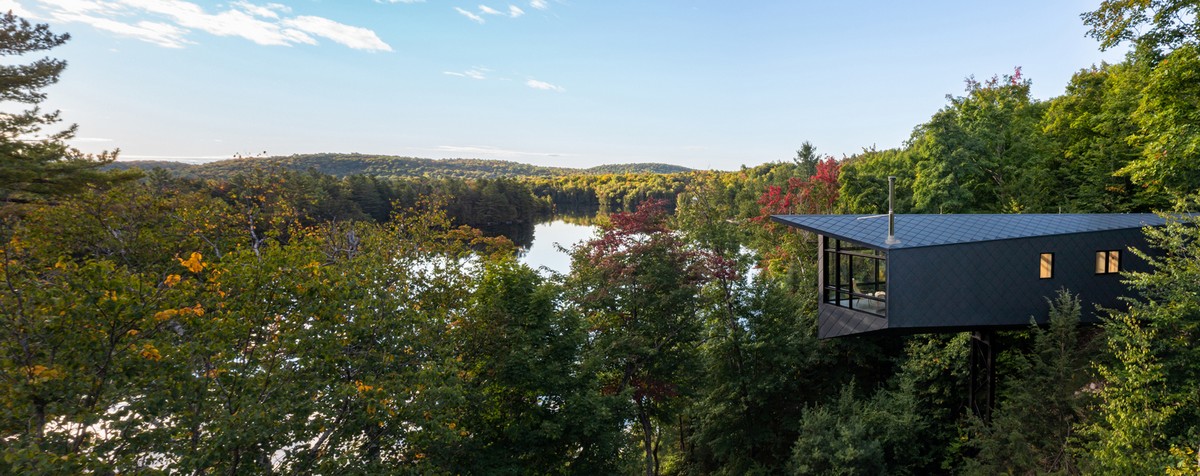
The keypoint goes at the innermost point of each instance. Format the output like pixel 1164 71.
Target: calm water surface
pixel 542 252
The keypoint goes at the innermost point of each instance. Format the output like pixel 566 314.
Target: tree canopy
pixel 319 321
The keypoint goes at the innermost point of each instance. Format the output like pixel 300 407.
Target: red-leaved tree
pixel 816 194
pixel 637 284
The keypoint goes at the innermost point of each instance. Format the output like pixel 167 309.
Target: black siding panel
pixel 996 283
pixel 835 321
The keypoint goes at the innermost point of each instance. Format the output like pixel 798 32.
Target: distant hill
pixel 643 168
pixel 391 166
pixel 177 168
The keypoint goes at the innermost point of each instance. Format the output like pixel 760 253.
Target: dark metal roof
pixel 932 230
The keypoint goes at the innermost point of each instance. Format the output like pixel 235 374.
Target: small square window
pixel 1108 262
pixel 1047 266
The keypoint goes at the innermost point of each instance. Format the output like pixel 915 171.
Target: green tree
pixel 530 406
pixel 35 165
pixel 1040 403
pixel 762 365
pixel 179 342
pixel 1155 24
pixel 77 337
pixel 1147 416
pixel 1167 117
pixel 983 152
pixel 806 159
pixel 864 184
pixel 1092 135
pixel 637 284
pixel 785 248
pixel 906 427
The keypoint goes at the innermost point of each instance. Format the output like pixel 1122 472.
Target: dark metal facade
pixel 996 284
pixel 936 284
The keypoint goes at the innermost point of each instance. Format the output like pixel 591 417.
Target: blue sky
pixel 577 83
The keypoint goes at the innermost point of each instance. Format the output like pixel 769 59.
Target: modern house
pixel 949 273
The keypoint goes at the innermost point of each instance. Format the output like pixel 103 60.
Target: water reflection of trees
pixel 579 215
pixel 522 234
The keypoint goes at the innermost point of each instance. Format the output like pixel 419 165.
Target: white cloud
pixel 542 85
pixel 82 7
pixel 167 22
pixel 89 140
pixel 270 10
pixel 16 8
pixel 98 13
pixel 513 12
pixel 475 18
pixel 473 73
pixel 539 4
pixel 234 22
pixel 350 36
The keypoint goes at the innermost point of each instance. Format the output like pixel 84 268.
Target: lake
pixel 541 250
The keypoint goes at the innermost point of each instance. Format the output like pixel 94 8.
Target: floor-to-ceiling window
pixel 855 277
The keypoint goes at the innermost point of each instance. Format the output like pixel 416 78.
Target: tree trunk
pixel 39 421
pixel 647 439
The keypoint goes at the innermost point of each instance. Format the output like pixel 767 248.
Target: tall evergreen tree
pixel 35 164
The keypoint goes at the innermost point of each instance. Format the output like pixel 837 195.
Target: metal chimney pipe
pixel 891 238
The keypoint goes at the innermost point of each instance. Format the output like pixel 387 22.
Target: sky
pixel 573 83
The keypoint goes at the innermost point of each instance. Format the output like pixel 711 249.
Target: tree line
pixel 319 197
pixel 389 166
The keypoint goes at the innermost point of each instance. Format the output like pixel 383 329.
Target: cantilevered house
pixel 945 273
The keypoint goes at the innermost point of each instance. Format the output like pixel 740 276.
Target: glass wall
pixel 855 277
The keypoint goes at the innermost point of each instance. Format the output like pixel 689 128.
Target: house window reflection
pixel 855 277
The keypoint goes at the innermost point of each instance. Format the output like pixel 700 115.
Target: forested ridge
pixel 272 320
pixel 605 187
pixel 386 166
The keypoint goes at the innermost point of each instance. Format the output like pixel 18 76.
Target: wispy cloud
pixel 473 73
pixel 512 12
pixel 89 140
pixel 539 4
pixel 542 85
pixel 475 18
pixel 270 10
pixel 350 36
pixel 168 23
pixel 493 152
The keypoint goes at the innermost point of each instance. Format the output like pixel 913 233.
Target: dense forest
pixel 605 187
pixel 298 322
pixel 386 166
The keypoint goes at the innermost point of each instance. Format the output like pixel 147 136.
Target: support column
pixel 981 395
